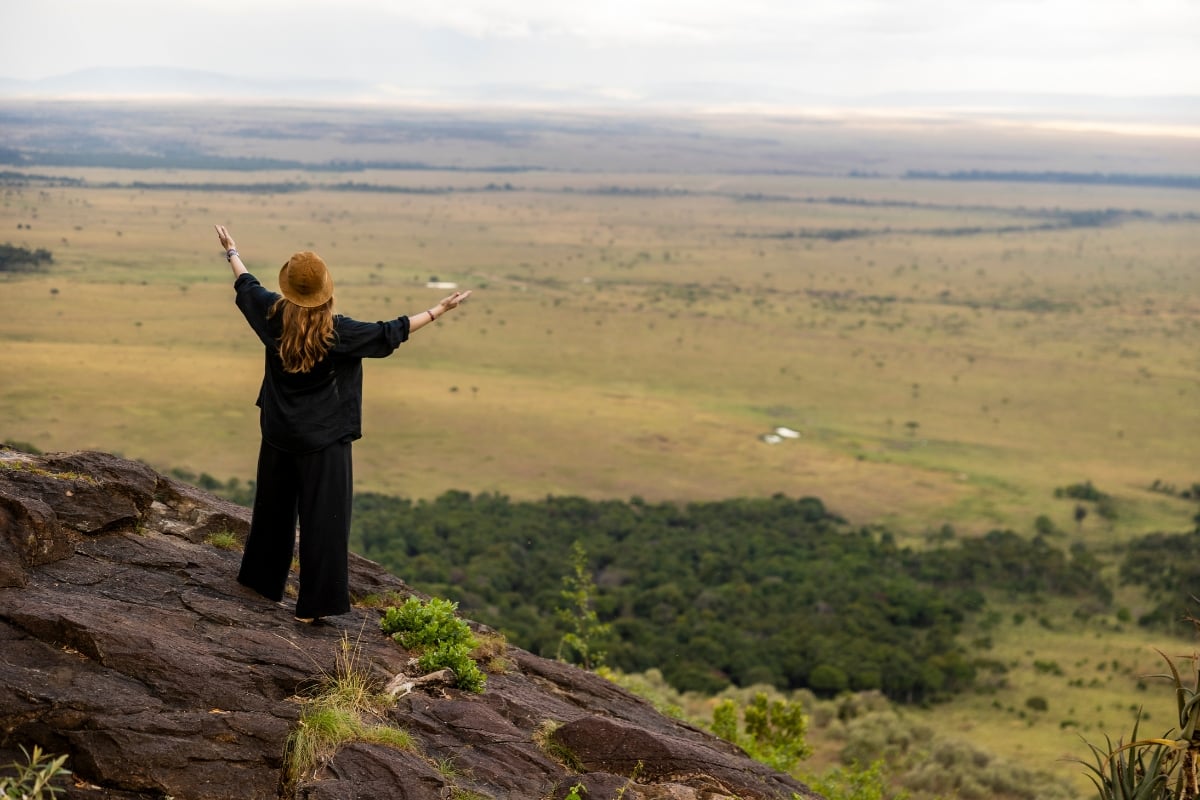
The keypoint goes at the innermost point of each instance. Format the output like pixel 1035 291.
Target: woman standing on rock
pixel 310 411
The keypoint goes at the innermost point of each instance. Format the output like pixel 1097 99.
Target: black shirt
pixel 306 411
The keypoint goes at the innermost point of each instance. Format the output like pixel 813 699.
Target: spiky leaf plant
pixel 1157 768
pixel 1133 771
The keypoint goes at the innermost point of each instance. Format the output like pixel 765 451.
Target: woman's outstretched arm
pixel 448 303
pixel 231 253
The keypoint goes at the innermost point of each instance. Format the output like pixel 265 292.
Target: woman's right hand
pixel 225 239
pixel 231 253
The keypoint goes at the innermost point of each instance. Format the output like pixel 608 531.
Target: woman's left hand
pixel 453 301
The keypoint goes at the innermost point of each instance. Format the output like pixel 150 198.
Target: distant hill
pixel 135 82
pixel 165 82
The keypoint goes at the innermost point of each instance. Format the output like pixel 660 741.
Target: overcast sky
pixel 839 48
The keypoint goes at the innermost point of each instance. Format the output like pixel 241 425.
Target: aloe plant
pixel 1163 768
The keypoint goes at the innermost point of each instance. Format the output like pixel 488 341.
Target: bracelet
pixel 432 318
pixel 230 253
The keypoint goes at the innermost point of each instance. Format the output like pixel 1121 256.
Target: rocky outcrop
pixel 126 644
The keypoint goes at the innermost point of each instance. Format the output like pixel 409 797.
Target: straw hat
pixel 305 280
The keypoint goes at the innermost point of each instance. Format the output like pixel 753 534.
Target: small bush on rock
pixel 443 640
pixel 773 731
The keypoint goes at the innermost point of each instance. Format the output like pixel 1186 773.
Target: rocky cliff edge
pixel 126 644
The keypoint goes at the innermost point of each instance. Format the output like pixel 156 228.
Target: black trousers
pixel 316 490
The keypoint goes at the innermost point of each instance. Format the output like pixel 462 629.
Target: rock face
pixel 126 643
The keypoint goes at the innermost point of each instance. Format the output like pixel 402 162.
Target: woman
pixel 310 411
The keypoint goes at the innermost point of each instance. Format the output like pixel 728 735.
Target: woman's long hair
pixel 307 334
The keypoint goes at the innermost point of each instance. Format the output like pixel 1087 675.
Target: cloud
pixel 611 23
pixel 852 46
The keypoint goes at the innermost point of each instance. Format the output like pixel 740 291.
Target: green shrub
pixel 457 657
pixel 434 630
pixel 1044 526
pixel 1080 491
pixel 853 783
pixel 417 625
pixel 21 259
pixel 586 634
pixel 773 732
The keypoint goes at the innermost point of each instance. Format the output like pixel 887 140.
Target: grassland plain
pixel 634 334
pixel 1094 674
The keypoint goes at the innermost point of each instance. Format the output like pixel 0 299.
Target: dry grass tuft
pixel 347 706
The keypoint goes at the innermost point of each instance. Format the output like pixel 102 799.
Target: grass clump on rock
pixel 345 708
pixel 224 540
